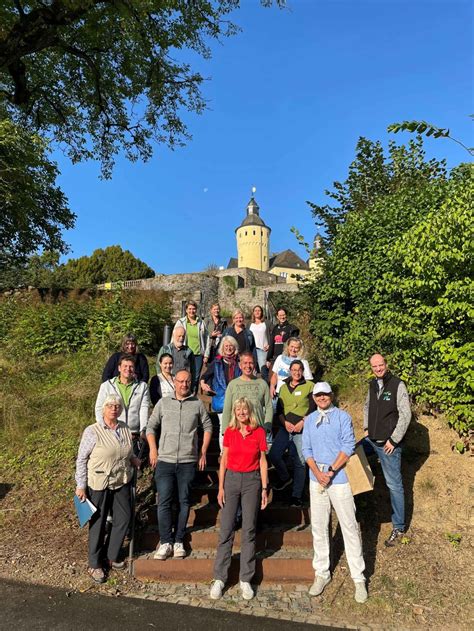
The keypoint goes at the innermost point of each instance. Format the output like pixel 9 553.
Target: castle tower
pixel 253 239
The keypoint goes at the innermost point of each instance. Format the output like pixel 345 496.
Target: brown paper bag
pixel 359 473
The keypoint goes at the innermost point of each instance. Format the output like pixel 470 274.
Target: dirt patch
pixel 424 581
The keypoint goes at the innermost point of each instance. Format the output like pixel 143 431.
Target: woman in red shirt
pixel 243 480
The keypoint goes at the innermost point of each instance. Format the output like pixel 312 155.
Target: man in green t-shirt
pixel 134 395
pixel 255 390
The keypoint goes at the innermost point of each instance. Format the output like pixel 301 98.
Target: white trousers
pixel 341 498
pixel 221 437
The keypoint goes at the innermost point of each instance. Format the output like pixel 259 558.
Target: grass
pixel 46 404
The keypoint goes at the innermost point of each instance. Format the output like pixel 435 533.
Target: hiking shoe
pixel 117 565
pixel 163 552
pixel 394 535
pixel 360 593
pixel 216 589
pixel 247 591
pixel 318 586
pixel 96 574
pixel 296 502
pixel 282 485
pixel 178 550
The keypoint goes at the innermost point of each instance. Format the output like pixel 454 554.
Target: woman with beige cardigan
pixel 103 475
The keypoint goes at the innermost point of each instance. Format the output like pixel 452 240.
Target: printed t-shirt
pixel 244 453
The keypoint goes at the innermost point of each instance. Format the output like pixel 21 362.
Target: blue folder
pixel 84 510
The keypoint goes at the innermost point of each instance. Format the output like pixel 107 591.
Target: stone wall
pixel 246 298
pixel 234 288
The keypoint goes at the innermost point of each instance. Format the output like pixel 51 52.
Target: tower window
pixel 254 233
pixel 246 233
pixel 264 259
pixel 261 233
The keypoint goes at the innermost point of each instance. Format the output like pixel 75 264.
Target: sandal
pixel 96 574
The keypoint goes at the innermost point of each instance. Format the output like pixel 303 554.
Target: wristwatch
pixel 332 470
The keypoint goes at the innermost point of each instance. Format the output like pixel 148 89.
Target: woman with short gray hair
pixel 103 475
pixel 219 373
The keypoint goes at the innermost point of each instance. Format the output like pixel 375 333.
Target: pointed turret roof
pixel 253 215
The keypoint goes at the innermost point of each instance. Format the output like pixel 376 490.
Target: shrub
pixel 69 325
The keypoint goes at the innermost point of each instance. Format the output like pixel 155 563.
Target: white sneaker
pixel 318 586
pixel 163 552
pixel 360 594
pixel 216 589
pixel 247 591
pixel 178 551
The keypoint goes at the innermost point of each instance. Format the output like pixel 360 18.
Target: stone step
pixel 208 514
pixel 269 569
pixel 269 539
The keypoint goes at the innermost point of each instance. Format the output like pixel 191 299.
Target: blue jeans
pixel 294 443
pixel 392 471
pixel 168 474
pixel 262 363
pixel 198 361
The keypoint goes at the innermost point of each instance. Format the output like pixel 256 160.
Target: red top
pixel 244 453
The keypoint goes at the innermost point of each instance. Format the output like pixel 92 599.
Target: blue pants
pixel 294 443
pixel 198 361
pixel 166 475
pixel 392 471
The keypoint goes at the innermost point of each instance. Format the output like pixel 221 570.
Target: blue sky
pixel 288 98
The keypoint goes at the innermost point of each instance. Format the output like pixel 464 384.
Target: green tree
pixel 105 265
pixel 429 296
pixel 398 275
pixel 101 75
pixel 34 211
pixel 381 199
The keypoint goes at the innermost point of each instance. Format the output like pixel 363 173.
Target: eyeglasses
pixel 188 381
pixel 113 405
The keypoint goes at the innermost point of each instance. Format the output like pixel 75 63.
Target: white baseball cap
pixel 322 387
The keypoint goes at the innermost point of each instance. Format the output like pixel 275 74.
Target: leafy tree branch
pixel 427 129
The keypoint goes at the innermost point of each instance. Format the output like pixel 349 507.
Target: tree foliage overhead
pixel 397 264
pixel 33 210
pixel 101 75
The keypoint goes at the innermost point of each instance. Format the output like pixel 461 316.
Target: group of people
pixel 262 390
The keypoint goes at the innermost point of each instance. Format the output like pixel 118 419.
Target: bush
pixel 70 324
pixel 398 275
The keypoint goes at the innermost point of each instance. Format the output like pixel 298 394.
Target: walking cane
pixel 134 500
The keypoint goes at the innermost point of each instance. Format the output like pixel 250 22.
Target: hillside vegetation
pixel 397 276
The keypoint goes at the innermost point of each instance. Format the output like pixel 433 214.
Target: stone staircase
pixel 284 542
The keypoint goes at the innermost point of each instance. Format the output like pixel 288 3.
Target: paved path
pixel 36 608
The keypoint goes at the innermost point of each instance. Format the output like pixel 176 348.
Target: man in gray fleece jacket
pixel 175 459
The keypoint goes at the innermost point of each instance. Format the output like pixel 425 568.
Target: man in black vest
pixel 387 415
